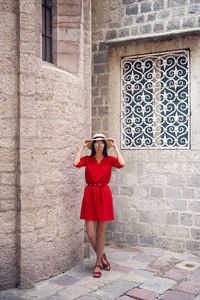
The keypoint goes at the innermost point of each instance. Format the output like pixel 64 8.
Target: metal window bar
pixel 47 30
pixel 155 101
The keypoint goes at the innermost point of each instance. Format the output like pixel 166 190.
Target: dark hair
pixel 105 153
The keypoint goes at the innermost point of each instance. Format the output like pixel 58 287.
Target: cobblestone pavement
pixel 136 273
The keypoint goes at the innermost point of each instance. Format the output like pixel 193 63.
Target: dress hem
pixel 97 220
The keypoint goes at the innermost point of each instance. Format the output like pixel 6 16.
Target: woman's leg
pixel 90 228
pixel 100 242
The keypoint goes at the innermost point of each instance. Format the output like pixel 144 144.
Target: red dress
pixel 97 200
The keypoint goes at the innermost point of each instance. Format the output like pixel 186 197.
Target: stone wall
pixel 8 145
pixel 47 236
pixel 118 20
pixel 156 195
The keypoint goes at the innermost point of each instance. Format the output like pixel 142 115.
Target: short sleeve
pixel 115 163
pixel 82 162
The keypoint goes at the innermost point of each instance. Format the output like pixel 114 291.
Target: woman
pixel 97 203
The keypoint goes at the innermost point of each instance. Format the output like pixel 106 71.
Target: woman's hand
pixel 113 143
pixel 78 155
pixel 119 156
pixel 85 143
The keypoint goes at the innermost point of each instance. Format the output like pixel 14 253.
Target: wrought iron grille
pixel 155 106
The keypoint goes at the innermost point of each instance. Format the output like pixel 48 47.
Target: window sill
pixel 163 35
pixel 51 66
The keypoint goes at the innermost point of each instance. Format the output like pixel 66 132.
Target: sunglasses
pixel 101 145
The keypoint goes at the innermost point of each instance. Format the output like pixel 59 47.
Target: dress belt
pixel 99 185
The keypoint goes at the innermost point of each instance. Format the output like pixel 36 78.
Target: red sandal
pixel 97 274
pixel 106 266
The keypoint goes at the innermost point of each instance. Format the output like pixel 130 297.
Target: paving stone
pixel 189 287
pixel 11 298
pixel 151 269
pixel 194 257
pixel 159 264
pixel 133 263
pixel 103 295
pixel 176 274
pixel 121 257
pixel 87 298
pixel 9 292
pixel 158 284
pixel 176 295
pixel 114 289
pixel 124 298
pixel 142 294
pixel 144 258
pixel 41 290
pixel 171 255
pixel 144 273
pixel 195 276
pixel 54 297
pixel 121 269
pixel 135 278
pixel 188 265
pixel 82 271
pixel 153 252
pixel 111 275
pixel 138 276
pixel 73 292
pixel 94 283
pixel 65 280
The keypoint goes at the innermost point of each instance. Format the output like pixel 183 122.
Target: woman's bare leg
pixel 96 239
pixel 100 242
pixel 90 228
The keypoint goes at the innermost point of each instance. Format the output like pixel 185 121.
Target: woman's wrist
pixel 115 147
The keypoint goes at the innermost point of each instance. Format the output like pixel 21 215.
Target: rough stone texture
pixel 158 284
pixel 142 294
pixel 178 295
pixel 40 190
pixel 114 289
pixel 8 145
pixel 157 191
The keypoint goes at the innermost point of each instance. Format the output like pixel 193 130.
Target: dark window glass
pixel 47 30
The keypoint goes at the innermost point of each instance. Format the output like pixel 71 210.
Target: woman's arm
pixel 119 156
pixel 78 155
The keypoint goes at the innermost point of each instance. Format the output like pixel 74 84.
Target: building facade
pixel 145 81
pixel 146 61
pixel 44 112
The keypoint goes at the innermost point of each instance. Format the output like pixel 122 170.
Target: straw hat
pixel 97 137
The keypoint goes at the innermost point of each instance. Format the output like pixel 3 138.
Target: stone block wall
pixel 156 195
pixel 41 191
pixel 125 19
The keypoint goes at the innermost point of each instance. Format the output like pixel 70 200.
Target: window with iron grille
pixel 47 30
pixel 155 101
